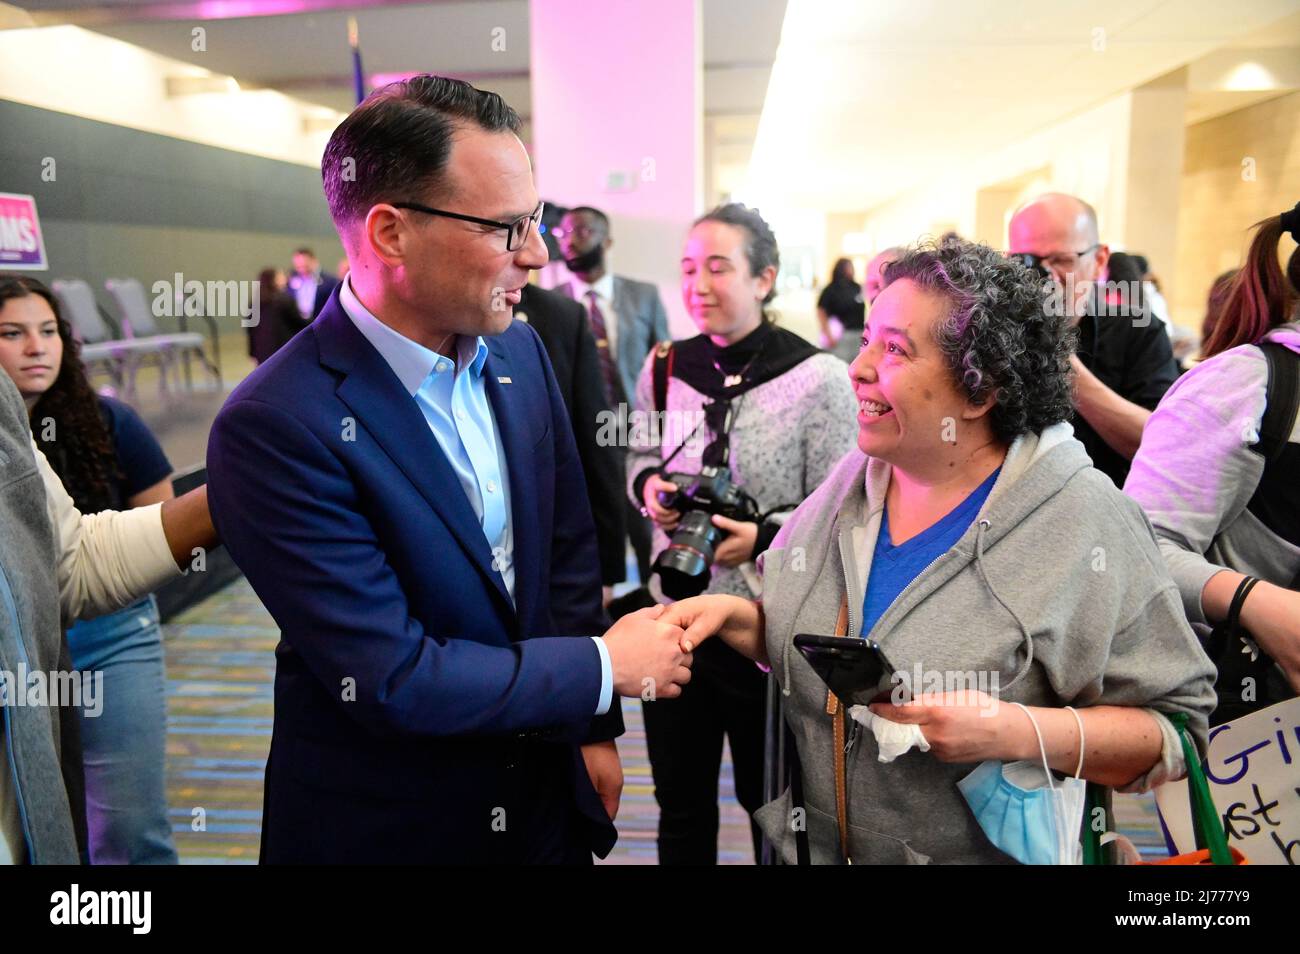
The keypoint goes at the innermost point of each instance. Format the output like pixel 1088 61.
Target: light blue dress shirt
pixel 304 293
pixel 453 399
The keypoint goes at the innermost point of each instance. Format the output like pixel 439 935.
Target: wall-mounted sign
pixel 22 246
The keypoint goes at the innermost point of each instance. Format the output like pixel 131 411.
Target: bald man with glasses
pixel 1124 363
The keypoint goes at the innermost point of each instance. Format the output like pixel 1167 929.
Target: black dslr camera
pixel 684 566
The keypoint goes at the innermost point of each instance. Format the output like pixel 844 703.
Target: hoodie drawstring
pixel 1028 639
pixel 785 667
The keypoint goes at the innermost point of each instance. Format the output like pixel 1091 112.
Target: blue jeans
pixel 124 746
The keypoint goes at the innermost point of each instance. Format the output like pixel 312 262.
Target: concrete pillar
pixel 1154 174
pixel 617 123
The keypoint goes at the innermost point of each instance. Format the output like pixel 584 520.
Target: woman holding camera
pixel 974 542
pixel 757 417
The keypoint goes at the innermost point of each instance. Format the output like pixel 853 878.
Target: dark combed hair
pixel 81 449
pixel 395 145
pixel 1001 338
pixel 761 249
pixel 1261 296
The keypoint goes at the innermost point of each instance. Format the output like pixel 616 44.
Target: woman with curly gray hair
pixel 1001 578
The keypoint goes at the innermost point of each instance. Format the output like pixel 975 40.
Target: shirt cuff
pixel 606 677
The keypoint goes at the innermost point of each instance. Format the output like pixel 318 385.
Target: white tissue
pixel 892 738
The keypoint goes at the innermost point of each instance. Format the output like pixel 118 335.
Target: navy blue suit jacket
pixel 324 291
pixel 419 715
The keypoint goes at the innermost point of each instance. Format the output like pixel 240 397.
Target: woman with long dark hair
pixel 107 459
pixel 1218 472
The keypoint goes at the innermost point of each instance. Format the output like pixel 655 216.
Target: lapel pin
pixel 504 381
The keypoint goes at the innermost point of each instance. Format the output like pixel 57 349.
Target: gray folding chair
pixel 138 322
pixel 101 350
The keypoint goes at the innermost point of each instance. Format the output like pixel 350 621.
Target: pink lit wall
pixel 617 123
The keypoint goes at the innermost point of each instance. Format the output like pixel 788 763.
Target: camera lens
pixel 683 567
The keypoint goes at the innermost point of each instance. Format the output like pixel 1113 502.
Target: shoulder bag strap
pixel 1283 400
pixel 838 715
pixel 663 370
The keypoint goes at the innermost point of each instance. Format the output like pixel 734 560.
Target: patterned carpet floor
pixel 220 666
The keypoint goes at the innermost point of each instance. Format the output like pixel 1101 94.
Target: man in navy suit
pixel 401 487
pixel 310 286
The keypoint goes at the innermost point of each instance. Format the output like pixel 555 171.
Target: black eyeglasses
pixel 517 232
pixel 1065 261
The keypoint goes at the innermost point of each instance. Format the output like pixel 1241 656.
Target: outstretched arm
pixel 737 621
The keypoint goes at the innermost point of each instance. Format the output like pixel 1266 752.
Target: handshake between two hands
pixel 650 651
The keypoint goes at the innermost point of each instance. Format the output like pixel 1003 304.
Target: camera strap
pixel 661 372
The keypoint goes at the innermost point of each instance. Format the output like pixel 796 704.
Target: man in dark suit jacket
pixel 401 487
pixel 627 318
pixel 310 286
pixel 562 325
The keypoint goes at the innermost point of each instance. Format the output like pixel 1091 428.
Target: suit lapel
pixel 631 349
pixel 374 394
pixel 509 407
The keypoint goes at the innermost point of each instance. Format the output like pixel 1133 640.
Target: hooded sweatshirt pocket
pixel 867 846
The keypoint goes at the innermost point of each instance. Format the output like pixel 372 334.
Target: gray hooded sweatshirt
pixel 41 742
pixel 1057 590
pixel 56 565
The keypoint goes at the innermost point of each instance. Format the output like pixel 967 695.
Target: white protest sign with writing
pixel 1253 769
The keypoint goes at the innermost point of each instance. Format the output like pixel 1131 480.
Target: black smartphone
pixel 852 667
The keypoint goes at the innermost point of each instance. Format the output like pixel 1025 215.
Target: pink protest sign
pixel 21 244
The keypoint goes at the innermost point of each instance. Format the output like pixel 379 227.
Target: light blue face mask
pixel 1023 812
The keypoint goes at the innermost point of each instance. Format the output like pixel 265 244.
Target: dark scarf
pixel 765 353
pixel 777 351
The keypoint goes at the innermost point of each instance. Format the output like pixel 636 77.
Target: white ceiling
pixel 306 55
pixel 877 97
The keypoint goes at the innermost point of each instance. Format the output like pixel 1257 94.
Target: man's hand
pixel 738 546
pixel 606 771
pixel 665 518
pixel 647 657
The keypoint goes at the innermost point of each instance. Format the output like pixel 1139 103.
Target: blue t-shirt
pixel 894 567
pixel 139 454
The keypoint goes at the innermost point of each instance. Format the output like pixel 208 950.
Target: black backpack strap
pixel 1283 400
pixel 663 370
